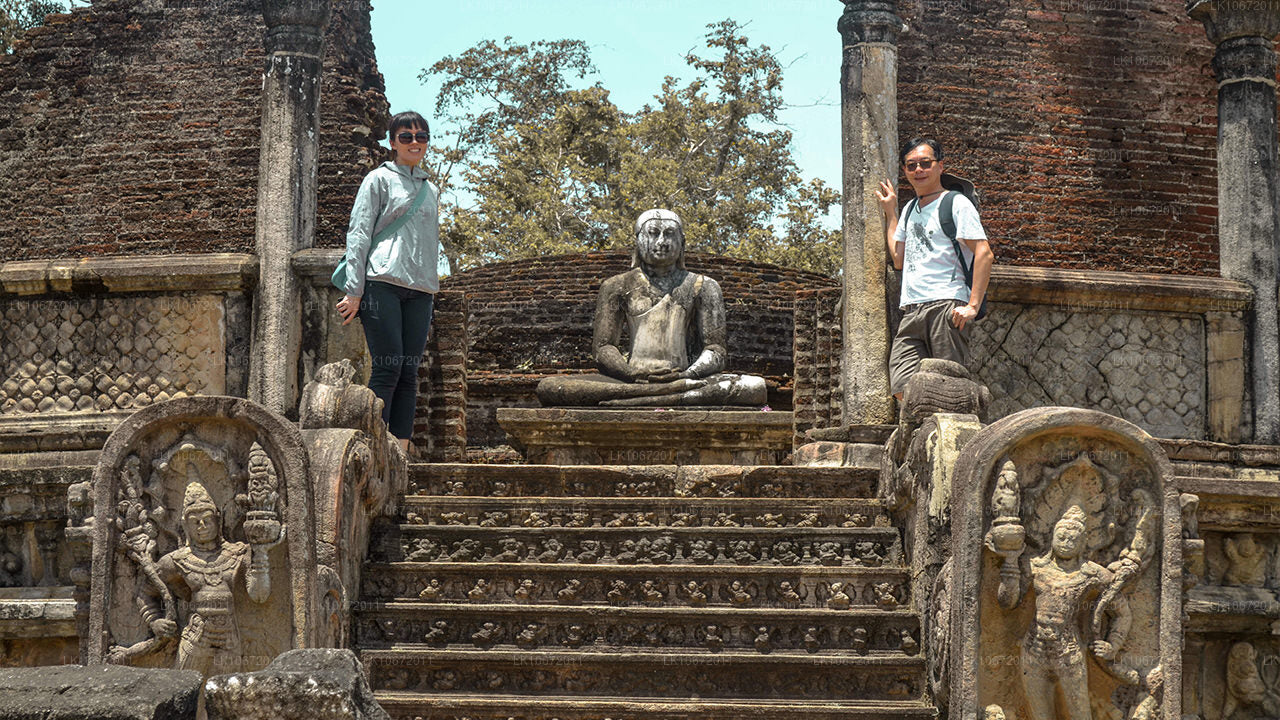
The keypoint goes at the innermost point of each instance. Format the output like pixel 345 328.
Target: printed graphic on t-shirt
pixel 916 250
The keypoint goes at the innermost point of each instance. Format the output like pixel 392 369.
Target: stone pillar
pixel 286 192
pixel 869 135
pixel 1248 186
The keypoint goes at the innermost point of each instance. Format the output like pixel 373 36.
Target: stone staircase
pixel 538 592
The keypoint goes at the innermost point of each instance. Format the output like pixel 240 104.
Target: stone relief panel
pixel 1068 589
pixel 203 556
pixel 106 354
pixel 1148 368
pixel 1236 679
pixel 32 512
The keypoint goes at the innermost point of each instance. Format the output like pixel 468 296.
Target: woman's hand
pixel 348 306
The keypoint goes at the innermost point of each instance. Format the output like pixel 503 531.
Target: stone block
pixel 98 692
pixel 312 684
pixel 559 436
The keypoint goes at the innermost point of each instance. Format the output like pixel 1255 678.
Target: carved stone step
pixel 711 481
pixel 866 546
pixel 569 584
pixel 408 706
pixel 859 631
pixel 663 674
pixel 643 512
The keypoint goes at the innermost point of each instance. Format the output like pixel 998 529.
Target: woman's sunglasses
pixel 407 137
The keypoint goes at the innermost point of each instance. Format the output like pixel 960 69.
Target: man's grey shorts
pixel 926 332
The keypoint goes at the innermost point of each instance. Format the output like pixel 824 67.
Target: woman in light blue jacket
pixel 392 287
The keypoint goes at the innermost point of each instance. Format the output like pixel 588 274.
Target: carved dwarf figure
pixel 1245 561
pixel 205 573
pixel 1052 652
pixel 676 321
pixel 1244 683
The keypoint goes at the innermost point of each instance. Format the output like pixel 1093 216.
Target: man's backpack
pixel 946 218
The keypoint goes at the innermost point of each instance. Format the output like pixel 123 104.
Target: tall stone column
pixel 286 211
pixel 1248 186
pixel 869 134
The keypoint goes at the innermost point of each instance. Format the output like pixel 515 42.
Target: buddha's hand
pixel 662 376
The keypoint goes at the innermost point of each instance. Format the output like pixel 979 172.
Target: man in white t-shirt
pixel 937 305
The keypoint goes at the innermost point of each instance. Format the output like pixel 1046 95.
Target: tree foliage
pixel 19 16
pixel 556 168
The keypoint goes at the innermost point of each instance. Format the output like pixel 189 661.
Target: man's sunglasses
pixel 407 137
pixel 910 166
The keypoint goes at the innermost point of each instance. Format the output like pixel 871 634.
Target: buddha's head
pixel 659 240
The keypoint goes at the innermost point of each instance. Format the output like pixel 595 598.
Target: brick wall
pixel 132 128
pixel 1088 125
pixel 440 423
pixel 816 398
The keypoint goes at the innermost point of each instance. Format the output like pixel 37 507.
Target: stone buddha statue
pixel 676 323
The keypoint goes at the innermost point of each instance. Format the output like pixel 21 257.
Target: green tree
pixel 557 169
pixel 19 16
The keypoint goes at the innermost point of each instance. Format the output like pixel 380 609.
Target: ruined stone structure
pixel 1084 522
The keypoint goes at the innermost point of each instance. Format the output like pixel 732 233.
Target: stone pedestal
pixel 568 436
pixel 869 131
pixel 1248 184
pixel 286 192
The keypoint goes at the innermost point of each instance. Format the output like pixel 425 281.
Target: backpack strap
pixel 947 219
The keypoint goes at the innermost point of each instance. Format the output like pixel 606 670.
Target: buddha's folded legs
pixel 594 389
pixel 589 390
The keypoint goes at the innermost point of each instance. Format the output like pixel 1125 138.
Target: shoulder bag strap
pixel 399 222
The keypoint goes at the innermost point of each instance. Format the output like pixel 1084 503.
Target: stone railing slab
pixel 227 272
pixel 569 436
pixel 1117 290
pixel 44 612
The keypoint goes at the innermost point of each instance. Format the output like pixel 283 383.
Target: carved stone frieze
pixel 568 628
pixel 678 587
pixel 590 674
pixel 857 546
pixel 1149 368
pixel 103 354
pixel 652 481
pixel 587 513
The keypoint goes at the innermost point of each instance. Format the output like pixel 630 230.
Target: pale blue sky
pixel 634 45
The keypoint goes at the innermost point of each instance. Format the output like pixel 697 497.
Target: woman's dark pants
pixel 396 321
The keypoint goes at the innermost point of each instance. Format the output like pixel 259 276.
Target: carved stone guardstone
pixel 1066 586
pixel 203 545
